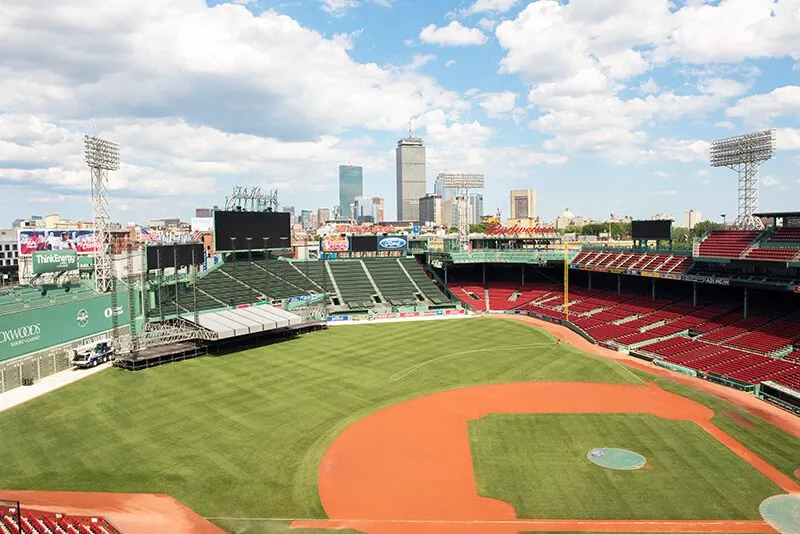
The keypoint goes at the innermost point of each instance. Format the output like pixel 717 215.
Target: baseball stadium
pixel 402 383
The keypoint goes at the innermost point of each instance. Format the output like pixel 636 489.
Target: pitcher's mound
pixel 619 459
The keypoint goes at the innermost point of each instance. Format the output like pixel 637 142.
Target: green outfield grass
pixel 689 474
pixel 242 435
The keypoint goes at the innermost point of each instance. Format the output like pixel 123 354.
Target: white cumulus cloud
pixel 454 34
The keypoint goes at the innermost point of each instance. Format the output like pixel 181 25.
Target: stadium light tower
pixel 462 182
pixel 745 154
pixel 101 156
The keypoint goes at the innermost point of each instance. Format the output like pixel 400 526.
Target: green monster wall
pixel 39 328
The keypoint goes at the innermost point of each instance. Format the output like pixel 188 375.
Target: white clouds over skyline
pixel 531 93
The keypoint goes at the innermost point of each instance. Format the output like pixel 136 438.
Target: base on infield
pixel 619 459
pixel 782 512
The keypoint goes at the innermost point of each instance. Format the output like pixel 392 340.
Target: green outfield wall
pixel 36 329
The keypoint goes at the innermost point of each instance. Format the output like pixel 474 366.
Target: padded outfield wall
pixel 35 342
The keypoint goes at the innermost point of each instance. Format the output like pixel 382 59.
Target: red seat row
pixel 727 243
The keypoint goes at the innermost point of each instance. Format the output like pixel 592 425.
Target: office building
pixel 522 203
pixel 411 177
pixel 323 215
pixel 475 208
pixel 290 211
pixel 9 255
pixel 351 185
pixel 305 219
pixel 691 218
pixel 202 213
pixel 368 210
pixel 430 209
pixel 662 217
pixel 449 213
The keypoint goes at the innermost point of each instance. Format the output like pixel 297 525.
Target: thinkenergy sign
pixel 54 261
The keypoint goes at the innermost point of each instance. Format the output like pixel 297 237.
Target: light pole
pixel 266 268
pixel 233 252
pixel 101 156
pixel 249 261
pixel 724 224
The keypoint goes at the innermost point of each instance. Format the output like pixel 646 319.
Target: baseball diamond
pixel 320 432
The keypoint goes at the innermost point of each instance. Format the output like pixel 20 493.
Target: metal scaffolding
pixel 744 154
pixel 101 157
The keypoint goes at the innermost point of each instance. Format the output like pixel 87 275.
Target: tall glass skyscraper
pixel 351 185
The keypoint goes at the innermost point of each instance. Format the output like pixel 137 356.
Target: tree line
pixel 618 230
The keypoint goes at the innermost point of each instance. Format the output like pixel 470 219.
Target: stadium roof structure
pixel 778 214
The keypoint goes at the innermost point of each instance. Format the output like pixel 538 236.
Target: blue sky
pixel 602 106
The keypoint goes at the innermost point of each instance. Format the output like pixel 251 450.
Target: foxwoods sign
pixel 22 335
pixel 54 261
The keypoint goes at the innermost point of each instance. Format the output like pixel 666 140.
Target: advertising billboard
pixel 363 243
pixel 202 224
pixel 265 229
pixel 172 253
pixel 39 328
pixel 651 229
pixel 81 241
pixel 393 242
pixel 334 243
pixel 54 261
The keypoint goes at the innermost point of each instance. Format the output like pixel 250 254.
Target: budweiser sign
pixel 499 229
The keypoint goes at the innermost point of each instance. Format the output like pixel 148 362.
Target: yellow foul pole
pixel 566 281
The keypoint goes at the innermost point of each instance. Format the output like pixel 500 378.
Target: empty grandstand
pixel 351 284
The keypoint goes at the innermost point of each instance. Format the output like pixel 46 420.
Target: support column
pixel 445 276
pixel 694 293
pixel 619 284
pixel 590 279
pixel 746 302
pixel 523 274
pixel 483 274
pixel 653 289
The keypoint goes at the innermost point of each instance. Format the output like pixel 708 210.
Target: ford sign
pixel 392 243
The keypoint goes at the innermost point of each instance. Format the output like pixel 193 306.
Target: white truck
pixel 93 354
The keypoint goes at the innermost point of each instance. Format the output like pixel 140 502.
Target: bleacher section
pixel 782 245
pixel 750 350
pixel 24 297
pixel 423 281
pixel 660 263
pixel 354 285
pixel 247 282
pixel 727 243
pixel 36 522
pixel 396 288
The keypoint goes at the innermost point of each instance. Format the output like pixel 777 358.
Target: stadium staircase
pixel 395 286
pixel 423 281
pixel 352 284
pixel 372 281
pixel 781 245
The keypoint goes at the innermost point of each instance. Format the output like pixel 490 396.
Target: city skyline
pixel 611 110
